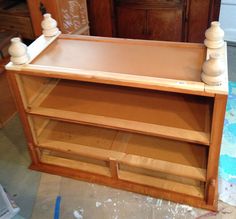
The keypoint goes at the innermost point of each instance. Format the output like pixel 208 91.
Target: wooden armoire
pixel 171 20
pixel 25 16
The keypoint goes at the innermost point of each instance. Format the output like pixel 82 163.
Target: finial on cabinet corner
pixel 49 26
pixel 18 52
pixel 214 36
pixel 213 70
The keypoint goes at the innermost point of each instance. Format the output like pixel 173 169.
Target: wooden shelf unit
pixel 104 123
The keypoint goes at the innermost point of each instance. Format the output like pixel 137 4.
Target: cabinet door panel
pixel 101 15
pixel 198 20
pixel 131 23
pixel 165 24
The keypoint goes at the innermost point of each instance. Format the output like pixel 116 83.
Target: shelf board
pixel 134 110
pixel 180 159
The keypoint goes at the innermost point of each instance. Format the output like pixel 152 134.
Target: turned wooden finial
pixel 213 68
pixel 49 26
pixel 214 36
pixel 18 52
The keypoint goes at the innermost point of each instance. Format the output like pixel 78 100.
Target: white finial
pixel 18 52
pixel 49 26
pixel 213 70
pixel 214 36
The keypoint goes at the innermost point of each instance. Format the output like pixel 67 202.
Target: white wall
pixel 228 19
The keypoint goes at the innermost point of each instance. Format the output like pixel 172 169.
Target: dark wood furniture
pixel 25 16
pixel 171 20
pixel 8 108
pixel 15 16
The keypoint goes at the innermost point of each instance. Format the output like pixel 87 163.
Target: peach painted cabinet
pixel 129 114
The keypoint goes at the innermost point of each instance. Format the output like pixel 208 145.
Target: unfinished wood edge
pixel 34 49
pixel 124 125
pixel 223 88
pixel 150 85
pixel 172 168
pixel 117 78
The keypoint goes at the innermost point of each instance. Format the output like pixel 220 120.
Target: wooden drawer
pixel 19 24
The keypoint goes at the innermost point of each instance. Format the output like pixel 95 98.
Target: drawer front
pixel 18 24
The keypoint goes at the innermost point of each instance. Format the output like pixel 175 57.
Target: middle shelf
pixel 164 114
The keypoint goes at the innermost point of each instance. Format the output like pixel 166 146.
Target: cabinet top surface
pixel 178 61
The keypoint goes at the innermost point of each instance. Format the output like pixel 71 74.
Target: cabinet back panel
pixel 189 112
pixel 145 58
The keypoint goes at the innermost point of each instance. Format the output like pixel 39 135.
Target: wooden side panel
pixel 30 87
pixel 20 106
pixel 131 23
pixel 214 152
pixel 198 19
pixel 101 17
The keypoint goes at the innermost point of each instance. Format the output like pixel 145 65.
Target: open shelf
pixel 180 165
pixel 174 116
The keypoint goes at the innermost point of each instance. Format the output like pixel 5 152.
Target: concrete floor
pixel 20 182
pixel 36 193
pixel 89 201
